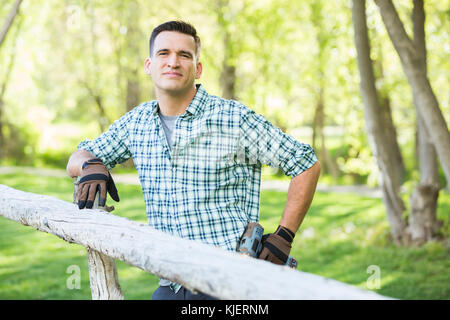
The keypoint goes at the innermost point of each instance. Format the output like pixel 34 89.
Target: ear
pixel 147 64
pixel 199 70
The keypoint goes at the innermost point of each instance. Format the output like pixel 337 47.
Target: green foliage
pixel 52 158
pixel 74 63
pixel 341 236
pixel 20 144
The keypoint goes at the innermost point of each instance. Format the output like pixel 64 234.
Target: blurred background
pixel 69 68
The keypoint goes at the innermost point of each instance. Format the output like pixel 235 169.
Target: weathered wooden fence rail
pixel 199 267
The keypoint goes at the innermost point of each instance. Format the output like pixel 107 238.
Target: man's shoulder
pixel 144 109
pixel 220 104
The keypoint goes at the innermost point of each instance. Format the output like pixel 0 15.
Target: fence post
pixel 103 276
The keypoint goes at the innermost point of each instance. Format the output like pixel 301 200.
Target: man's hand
pixel 95 177
pixel 276 246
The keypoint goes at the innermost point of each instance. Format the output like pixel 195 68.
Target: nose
pixel 172 61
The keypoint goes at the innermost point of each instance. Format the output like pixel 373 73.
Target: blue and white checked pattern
pixel 207 187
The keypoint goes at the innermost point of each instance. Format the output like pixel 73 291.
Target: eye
pixel 186 55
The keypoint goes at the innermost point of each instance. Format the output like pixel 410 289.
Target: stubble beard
pixel 175 90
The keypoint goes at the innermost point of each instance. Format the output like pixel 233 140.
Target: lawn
pixel 343 237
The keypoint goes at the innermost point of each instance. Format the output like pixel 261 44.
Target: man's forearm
pixel 299 198
pixel 75 162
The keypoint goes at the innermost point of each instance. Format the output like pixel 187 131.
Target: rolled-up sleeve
pixel 260 140
pixel 111 146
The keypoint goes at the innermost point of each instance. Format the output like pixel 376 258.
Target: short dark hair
pixel 178 26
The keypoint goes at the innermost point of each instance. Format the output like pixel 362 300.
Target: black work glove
pixel 276 246
pixel 95 177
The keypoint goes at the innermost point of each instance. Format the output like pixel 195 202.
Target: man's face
pixel 173 65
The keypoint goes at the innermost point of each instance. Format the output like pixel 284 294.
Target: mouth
pixel 172 74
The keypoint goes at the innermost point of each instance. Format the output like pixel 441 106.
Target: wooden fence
pixel 197 266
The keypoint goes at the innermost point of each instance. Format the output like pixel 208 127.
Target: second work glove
pixel 95 177
pixel 276 246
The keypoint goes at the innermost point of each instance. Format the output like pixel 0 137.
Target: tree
pixel 228 73
pixel 423 220
pixel 378 136
pixel 323 38
pixel 3 85
pixel 132 47
pixel 423 224
pixel 386 112
pixel 9 20
pixel 414 66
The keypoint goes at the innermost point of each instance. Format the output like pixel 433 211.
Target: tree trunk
pixel 322 41
pixel 92 80
pixel 379 141
pixel 228 80
pixel 2 142
pixel 423 218
pixel 426 102
pixel 318 132
pixel 5 80
pixel 391 132
pixel 133 90
pixel 424 225
pixel 9 20
pixel 228 73
pixel 102 120
pixel 133 39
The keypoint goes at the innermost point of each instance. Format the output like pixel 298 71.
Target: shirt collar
pixel 199 101
pixel 195 106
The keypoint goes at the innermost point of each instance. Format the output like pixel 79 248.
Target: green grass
pixel 341 236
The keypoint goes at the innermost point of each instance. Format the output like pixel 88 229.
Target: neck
pixel 174 104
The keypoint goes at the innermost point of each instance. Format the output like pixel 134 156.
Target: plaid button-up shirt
pixel 207 187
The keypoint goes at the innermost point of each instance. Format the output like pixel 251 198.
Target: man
pixel 198 158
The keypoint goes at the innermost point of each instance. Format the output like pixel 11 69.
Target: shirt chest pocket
pixel 146 150
pixel 212 147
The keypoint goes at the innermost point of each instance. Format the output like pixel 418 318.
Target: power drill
pixel 250 243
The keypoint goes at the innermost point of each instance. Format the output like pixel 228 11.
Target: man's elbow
pixel 75 162
pixel 70 168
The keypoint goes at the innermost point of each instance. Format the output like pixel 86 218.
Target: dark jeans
pixel 165 293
